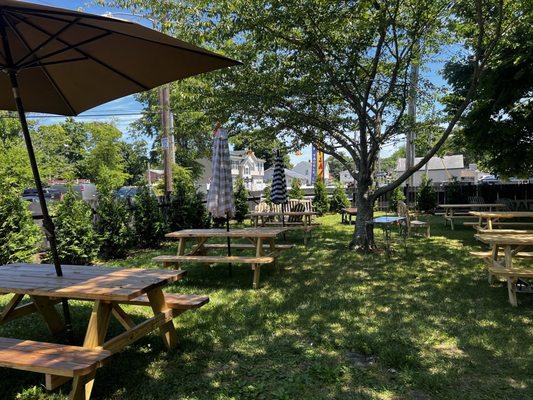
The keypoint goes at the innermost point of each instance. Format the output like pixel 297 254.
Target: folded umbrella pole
pixel 278 192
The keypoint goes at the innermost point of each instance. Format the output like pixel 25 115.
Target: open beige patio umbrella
pixel 64 62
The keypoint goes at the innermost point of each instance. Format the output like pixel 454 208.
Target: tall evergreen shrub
pixel 426 198
pixel 339 199
pixel 296 192
pixel 241 200
pixel 149 225
pixel 321 201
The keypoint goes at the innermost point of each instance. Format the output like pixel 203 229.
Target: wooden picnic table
pixel 487 219
pixel 347 214
pixel 258 239
pixel 512 245
pixel 296 220
pixel 108 288
pixel 457 211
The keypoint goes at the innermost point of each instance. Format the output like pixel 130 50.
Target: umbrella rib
pixel 69 47
pixel 45 71
pixel 96 60
pixel 39 64
pixel 43 44
pixel 201 51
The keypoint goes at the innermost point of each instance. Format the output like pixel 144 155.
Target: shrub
pixel 113 225
pixel 321 201
pixel 77 241
pixel 339 199
pixel 149 226
pixel 454 194
pixel 396 196
pixel 296 192
pixel 187 208
pixel 426 198
pixel 241 200
pixel 19 235
pixel 266 195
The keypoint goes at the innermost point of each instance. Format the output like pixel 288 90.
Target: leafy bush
pixel 266 195
pixel 241 200
pixel 149 226
pixel 187 208
pixel 339 199
pixel 296 192
pixel 19 235
pixel 426 198
pixel 321 201
pixel 113 225
pixel 396 196
pixel 77 241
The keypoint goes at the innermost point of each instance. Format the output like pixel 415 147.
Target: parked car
pixel 48 194
pixel 127 192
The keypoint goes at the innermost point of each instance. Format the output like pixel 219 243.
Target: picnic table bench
pixel 108 288
pixel 513 244
pixel 255 236
pixel 461 211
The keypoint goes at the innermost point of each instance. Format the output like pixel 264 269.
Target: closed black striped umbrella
pixel 278 193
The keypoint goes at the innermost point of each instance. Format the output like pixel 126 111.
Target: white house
pixel 304 168
pixel 244 164
pixel 443 169
pixel 289 176
pixel 250 168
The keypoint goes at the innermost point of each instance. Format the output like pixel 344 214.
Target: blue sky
pixel 128 105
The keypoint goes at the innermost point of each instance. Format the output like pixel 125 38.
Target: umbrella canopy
pixel 278 191
pixel 68 61
pixel 220 202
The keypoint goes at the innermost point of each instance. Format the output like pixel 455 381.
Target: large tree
pixel 337 74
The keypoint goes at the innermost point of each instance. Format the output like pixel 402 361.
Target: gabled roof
pixel 436 163
pixel 241 155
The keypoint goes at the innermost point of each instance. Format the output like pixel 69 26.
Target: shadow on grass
pixel 427 319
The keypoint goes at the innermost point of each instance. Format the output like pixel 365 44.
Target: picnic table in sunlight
pixel 513 246
pixel 461 211
pixel 259 240
pixel 487 220
pixel 293 220
pixel 108 289
pixel 386 223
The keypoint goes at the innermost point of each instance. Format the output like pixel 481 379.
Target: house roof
pixel 436 163
pixel 288 173
pixel 240 155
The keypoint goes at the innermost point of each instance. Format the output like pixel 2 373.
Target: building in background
pixel 289 176
pixel 244 164
pixel 346 178
pixel 305 168
pixel 443 169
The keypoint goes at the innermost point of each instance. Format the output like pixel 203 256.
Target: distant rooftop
pixel 436 163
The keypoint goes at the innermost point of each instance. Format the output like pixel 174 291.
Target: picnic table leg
pixel 494 258
pixel 158 304
pixel 49 313
pixel 257 267
pixel 82 386
pixel 272 242
pixel 181 252
pixel 489 223
pixel 511 281
pixel 451 219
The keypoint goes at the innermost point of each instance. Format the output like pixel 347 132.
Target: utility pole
pixel 167 142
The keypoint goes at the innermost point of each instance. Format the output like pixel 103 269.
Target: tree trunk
pixel 363 237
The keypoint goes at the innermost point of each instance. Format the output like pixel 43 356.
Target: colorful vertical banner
pixel 314 165
pixel 321 167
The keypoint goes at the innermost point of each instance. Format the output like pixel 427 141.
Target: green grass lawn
pixel 334 325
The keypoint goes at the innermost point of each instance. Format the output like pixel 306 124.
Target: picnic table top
pixel 503 214
pixel 83 282
pixel 232 233
pixel 350 210
pixel 484 205
pixel 277 213
pixel 506 239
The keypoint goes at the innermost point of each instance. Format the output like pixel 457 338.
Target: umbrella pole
pixel 229 246
pixel 47 221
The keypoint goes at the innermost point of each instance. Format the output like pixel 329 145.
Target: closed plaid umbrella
pixel 278 192
pixel 220 201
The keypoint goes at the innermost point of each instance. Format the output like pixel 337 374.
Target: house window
pixel 246 170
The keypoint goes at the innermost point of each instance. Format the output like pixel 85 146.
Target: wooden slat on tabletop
pixel 506 239
pixel 235 233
